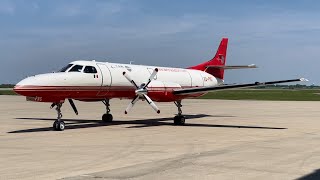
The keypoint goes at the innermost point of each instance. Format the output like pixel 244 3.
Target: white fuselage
pixel 108 82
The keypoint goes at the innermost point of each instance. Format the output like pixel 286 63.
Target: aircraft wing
pixel 223 87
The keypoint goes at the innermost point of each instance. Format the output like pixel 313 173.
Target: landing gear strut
pixel 107 117
pixel 58 124
pixel 179 119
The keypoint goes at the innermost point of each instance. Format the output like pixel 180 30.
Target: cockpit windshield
pixel 64 69
pixel 76 68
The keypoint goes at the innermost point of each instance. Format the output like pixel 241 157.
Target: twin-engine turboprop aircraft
pixel 102 81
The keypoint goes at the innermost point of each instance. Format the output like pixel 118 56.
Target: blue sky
pixel 281 37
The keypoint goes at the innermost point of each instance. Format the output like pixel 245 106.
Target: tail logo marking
pixel 221 58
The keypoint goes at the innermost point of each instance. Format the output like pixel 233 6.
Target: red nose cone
pixel 25 90
pixel 17 89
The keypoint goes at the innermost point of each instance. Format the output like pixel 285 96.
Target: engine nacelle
pixel 162 91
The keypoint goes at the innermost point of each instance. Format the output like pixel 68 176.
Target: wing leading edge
pixel 223 87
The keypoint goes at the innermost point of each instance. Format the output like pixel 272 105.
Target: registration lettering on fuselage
pixel 172 70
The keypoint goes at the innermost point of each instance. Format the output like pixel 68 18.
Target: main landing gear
pixel 179 119
pixel 58 124
pixel 107 117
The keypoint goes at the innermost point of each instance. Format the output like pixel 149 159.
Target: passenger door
pixel 106 79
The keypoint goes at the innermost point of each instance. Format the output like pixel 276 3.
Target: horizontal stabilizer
pixel 232 67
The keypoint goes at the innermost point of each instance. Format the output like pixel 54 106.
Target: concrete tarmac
pixel 221 140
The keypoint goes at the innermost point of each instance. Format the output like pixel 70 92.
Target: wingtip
pixel 304 80
pixel 253 66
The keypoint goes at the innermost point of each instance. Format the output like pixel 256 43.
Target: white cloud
pixel 87 8
pixel 35 5
pixel 7 7
pixel 107 8
pixel 69 10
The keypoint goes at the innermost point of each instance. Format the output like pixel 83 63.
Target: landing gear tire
pixel 55 125
pixel 107 118
pixel 179 120
pixel 58 125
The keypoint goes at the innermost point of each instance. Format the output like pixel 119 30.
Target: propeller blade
pixel 151 103
pixel 73 106
pixel 154 73
pixel 129 79
pixel 131 104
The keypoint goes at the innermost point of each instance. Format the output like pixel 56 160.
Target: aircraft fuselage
pixel 108 82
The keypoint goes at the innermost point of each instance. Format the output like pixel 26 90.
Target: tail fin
pixel 218 60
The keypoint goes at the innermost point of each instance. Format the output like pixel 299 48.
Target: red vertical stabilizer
pixel 218 60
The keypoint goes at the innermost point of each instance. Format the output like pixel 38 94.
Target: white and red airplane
pixel 102 81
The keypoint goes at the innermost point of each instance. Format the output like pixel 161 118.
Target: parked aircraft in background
pixel 102 81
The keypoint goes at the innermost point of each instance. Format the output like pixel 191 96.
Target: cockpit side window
pixel 90 69
pixel 64 69
pixel 76 68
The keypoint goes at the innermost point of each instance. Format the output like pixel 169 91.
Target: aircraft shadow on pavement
pixel 141 123
pixel 315 175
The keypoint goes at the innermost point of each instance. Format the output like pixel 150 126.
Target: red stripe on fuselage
pixel 160 94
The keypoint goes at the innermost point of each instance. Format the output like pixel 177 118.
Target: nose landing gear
pixel 58 124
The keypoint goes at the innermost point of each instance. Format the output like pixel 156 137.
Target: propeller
pixel 141 91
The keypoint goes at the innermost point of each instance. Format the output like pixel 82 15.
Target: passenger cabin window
pixel 64 69
pixel 90 69
pixel 76 68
